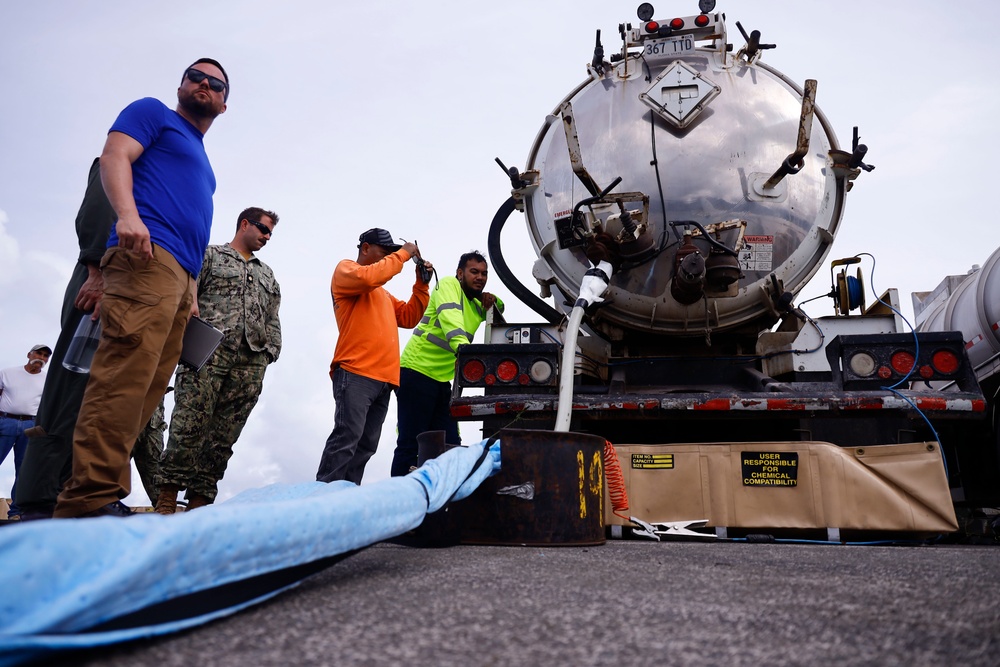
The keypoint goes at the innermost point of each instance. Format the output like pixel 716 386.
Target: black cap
pixel 380 237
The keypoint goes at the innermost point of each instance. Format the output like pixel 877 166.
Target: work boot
pixel 166 502
pixel 117 508
pixel 196 500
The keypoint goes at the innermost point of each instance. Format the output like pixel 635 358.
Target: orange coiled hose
pixel 616 481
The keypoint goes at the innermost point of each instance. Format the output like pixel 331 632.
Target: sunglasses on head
pixel 197 76
pixel 262 227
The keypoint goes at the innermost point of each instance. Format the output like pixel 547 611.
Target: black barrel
pixel 549 491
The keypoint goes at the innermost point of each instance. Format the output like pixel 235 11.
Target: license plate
pixel 668 48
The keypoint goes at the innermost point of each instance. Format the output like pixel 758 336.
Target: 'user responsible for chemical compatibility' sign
pixel 770 468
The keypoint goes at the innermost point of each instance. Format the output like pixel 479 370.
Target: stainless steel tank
pixel 972 307
pixel 699 134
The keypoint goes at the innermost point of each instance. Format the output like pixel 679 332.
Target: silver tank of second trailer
pixel 970 304
pixel 709 171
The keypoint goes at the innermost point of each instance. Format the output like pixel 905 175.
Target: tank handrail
pixel 793 163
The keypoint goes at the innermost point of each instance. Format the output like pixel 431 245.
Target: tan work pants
pixel 144 311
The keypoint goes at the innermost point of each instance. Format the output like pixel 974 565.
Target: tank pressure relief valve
pixel 848 165
pixel 753 46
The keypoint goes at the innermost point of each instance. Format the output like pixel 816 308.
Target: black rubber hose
pixel 529 298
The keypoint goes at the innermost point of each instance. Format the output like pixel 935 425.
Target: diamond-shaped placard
pixel 679 94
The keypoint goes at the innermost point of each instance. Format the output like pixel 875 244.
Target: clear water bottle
pixel 81 349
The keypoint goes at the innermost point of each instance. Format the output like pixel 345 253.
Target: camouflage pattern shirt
pixel 241 299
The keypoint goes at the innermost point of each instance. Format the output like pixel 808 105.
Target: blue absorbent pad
pixel 61 577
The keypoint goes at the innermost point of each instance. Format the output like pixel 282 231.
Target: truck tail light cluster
pixel 882 360
pixel 677 25
pixel 527 365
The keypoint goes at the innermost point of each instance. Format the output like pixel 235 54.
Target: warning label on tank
pixel 757 252
pixel 652 461
pixel 770 468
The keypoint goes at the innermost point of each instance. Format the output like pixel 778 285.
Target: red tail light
pixel 473 370
pixel 507 370
pixel 902 361
pixel 945 361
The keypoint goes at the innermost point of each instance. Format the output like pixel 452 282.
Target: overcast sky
pixel 390 113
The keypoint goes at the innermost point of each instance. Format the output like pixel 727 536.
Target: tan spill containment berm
pixel 801 485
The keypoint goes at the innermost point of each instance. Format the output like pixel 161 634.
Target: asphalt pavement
pixel 622 603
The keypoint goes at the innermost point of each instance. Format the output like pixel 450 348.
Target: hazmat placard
pixel 770 468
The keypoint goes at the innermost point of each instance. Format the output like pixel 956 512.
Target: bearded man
pixel 457 307
pixel 160 183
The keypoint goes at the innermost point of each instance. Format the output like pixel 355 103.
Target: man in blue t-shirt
pixel 159 181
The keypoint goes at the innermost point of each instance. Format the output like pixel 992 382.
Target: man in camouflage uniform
pixel 237 293
pixel 148 449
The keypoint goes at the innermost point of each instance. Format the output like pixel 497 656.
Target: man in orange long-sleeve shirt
pixel 365 366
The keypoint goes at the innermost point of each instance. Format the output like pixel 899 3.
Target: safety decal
pixel 757 252
pixel 770 468
pixel 652 461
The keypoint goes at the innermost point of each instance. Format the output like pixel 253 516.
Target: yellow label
pixel 652 461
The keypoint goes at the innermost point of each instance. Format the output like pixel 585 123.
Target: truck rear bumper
pixel 953 405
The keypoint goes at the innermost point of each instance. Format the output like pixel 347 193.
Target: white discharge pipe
pixel 591 288
pixel 566 370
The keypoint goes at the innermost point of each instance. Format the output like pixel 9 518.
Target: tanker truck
pixel 678 200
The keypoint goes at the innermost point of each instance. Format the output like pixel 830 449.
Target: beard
pixel 197 106
pixel 471 291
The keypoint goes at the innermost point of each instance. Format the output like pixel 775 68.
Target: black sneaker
pixel 117 508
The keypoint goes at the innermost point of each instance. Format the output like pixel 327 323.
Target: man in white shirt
pixel 20 392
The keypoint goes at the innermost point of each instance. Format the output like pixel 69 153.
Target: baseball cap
pixel 377 236
pixel 39 348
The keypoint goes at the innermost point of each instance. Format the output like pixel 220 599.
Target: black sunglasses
pixel 197 76
pixel 263 228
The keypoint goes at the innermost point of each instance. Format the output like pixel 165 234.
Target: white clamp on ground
pixel 656 530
